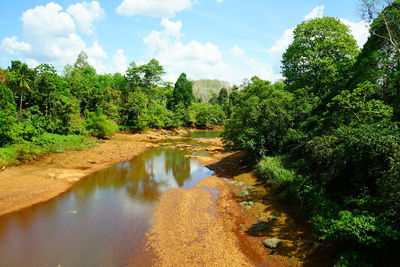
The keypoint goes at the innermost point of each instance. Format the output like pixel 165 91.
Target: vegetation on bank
pixel 39 104
pixel 327 138
pixel 41 145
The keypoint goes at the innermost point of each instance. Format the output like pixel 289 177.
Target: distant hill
pixel 203 89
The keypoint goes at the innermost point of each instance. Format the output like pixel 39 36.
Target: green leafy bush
pixel 271 170
pixel 99 125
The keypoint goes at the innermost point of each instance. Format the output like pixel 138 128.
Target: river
pixel 103 219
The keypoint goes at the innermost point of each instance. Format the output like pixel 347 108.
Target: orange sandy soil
pixel 45 178
pixel 205 226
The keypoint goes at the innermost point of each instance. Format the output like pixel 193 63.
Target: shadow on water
pixel 103 219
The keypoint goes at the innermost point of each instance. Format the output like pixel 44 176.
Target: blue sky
pixel 228 40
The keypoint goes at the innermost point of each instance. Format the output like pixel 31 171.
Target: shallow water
pixel 103 219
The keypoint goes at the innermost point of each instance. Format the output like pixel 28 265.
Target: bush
pixel 41 145
pixel 99 125
pixel 271 170
pixel 202 114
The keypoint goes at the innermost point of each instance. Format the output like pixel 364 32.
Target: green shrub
pixel 271 170
pixel 99 125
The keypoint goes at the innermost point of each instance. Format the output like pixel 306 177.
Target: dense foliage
pixel 328 139
pixel 39 101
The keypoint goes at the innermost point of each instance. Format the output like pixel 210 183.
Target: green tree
pixel 9 127
pixel 20 76
pixel 183 91
pixel 320 57
pixel 260 122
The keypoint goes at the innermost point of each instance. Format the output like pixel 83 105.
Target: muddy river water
pixel 103 219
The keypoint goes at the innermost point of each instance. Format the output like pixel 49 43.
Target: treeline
pixel 82 102
pixel 327 138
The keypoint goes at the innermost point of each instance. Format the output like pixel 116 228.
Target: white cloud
pixel 250 66
pixel 153 8
pixel 317 12
pixel 220 1
pixel 12 46
pixel 360 30
pixel 84 14
pixel 201 60
pixel 120 61
pixel 32 63
pixel 51 36
pixel 280 46
pixel 237 51
pixel 96 51
pixel 198 60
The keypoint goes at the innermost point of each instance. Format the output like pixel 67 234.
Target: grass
pixel 47 143
pixel 273 173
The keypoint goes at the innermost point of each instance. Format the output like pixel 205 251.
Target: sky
pixel 230 40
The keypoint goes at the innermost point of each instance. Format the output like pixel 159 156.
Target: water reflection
pixel 102 220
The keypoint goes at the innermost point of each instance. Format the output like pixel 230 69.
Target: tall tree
pixel 320 57
pixel 385 16
pixel 20 76
pixel 183 91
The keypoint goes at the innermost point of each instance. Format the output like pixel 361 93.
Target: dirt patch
pixel 45 178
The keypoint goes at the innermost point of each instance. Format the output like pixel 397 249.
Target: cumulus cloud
pixel 153 8
pixel 250 66
pixel 84 14
pixel 280 46
pixel 13 46
pixel 359 30
pixel 237 51
pixel 51 36
pixel 317 12
pixel 120 61
pixel 199 60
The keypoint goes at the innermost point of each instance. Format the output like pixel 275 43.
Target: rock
pixel 248 207
pixel 243 193
pixel 263 219
pixel 244 203
pixel 240 184
pixel 232 183
pixel 248 188
pixel 72 212
pixel 272 218
pixel 272 242
pixel 247 204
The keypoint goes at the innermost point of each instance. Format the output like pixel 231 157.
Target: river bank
pixel 224 220
pixel 51 175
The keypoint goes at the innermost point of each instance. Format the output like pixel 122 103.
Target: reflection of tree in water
pixel 145 177
pixel 157 171
pixel 179 165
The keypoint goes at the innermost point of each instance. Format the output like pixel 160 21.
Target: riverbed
pixel 102 220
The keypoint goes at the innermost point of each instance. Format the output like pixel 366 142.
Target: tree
pixel 183 91
pixel 320 57
pixel 223 97
pixel 144 76
pixel 385 18
pixel 378 61
pixel 20 76
pixel 260 122
pixel 8 116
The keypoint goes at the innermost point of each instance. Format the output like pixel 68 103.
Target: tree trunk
pixel 20 102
